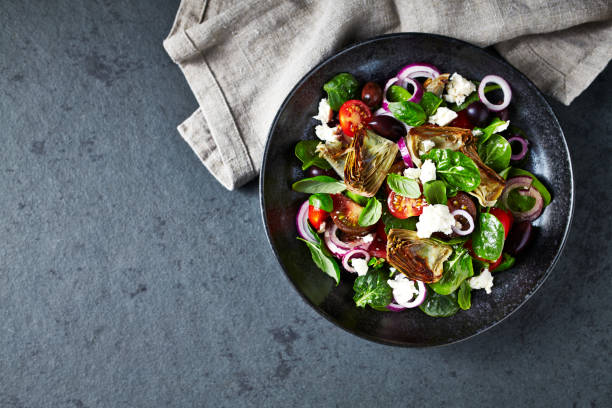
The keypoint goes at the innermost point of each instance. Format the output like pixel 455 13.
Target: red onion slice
pixel 347 257
pixel 301 222
pixel 419 70
pixel 338 247
pixel 523 152
pixel 401 143
pixel 469 219
pixel 417 301
pixel 417 93
pixel 394 307
pixel 505 87
pixel 524 183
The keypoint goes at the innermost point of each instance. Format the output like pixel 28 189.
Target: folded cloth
pixel 241 58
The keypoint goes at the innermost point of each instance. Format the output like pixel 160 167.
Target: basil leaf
pixel 359 199
pixel 496 152
pixel 455 168
pixel 340 89
pixel 408 112
pixel 371 213
pixel 372 289
pixel 464 297
pixel 536 183
pixel 322 201
pixel 305 150
pixel 430 103
pixel 506 263
pixel 488 131
pixel 319 184
pixel 398 94
pixel 504 173
pixel 391 222
pixel 488 238
pixel 323 260
pixel 436 305
pixel 403 186
pixel 473 97
pixel 456 270
pixel 435 192
pixel 376 263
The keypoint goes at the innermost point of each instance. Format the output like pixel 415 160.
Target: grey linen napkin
pixel 241 58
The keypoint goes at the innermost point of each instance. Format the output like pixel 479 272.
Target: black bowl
pixel 379 59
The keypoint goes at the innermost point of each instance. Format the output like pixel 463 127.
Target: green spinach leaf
pixel 506 263
pixel 456 270
pixel 455 168
pixel 324 260
pixel 537 184
pixel 504 173
pixel 496 152
pixel 403 186
pixel 398 94
pixel 376 263
pixel 322 201
pixel 391 222
pixel 464 297
pixel 371 213
pixel 430 103
pixel 305 150
pixel 519 203
pixel 408 112
pixel 372 289
pixel 319 184
pixel 435 192
pixel 488 131
pixel 436 305
pixel 359 199
pixel 488 238
pixel 340 89
pixel 473 97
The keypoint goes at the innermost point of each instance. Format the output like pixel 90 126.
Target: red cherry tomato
pixel 353 115
pixel 468 246
pixel 496 263
pixel 505 217
pixel 316 216
pixel 404 207
pixel 378 248
pixel 462 121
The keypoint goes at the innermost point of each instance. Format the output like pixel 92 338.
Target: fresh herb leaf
pixel 391 222
pixel 506 263
pixel 372 289
pixel 324 260
pixel 319 184
pixel 436 305
pixel 451 241
pixel 340 89
pixel 305 150
pixel 435 192
pixel 504 173
pixel 376 263
pixel 488 131
pixel 455 168
pixel 473 97
pixel 456 270
pixel 496 152
pixel 488 238
pixel 408 112
pixel 403 186
pixel 322 201
pixel 518 202
pixel 371 213
pixel 536 183
pixel 359 199
pixel 430 103
pixel 398 94
pixel 464 297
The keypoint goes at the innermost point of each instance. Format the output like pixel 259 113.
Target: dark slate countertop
pixel 130 277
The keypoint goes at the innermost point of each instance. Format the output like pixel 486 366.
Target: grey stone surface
pixel 130 277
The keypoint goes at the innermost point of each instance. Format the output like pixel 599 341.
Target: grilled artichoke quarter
pixel 491 184
pixel 368 161
pixel 418 258
pixel 444 137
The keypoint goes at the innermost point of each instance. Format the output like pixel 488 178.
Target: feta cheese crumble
pixel 458 89
pixel 442 117
pixel 477 132
pixel 435 218
pixel 326 133
pixel 501 127
pixel 360 265
pixel 404 289
pixel 325 112
pixel 426 146
pixel 428 171
pixel 412 172
pixel 482 281
pixel 367 238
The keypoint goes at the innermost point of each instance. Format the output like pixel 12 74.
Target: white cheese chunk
pixel 435 218
pixel 477 132
pixel 360 265
pixel 482 281
pixel 325 112
pixel 442 117
pixel 458 88
pixel 502 126
pixel 412 173
pixel 426 146
pixel 326 133
pixel 428 171
pixel 404 289
pixel 367 238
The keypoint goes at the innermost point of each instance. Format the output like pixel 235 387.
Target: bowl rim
pixel 262 202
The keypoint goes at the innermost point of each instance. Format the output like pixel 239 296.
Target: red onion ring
pixel 401 143
pixel 469 219
pixel 523 152
pixel 505 87
pixel 417 301
pixel 524 183
pixel 418 70
pixel 417 93
pixel 350 254
pixel 301 221
pixel 340 248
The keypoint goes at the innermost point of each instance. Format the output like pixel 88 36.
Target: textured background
pixel 129 277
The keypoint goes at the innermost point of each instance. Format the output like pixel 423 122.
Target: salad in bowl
pixel 415 188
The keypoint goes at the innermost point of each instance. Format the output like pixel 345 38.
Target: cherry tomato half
pixel 353 115
pixel 316 216
pixel 505 217
pixel 496 263
pixel 462 121
pixel 404 207
pixel 346 215
pixel 378 248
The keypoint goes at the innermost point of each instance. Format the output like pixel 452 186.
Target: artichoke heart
pixel 491 184
pixel 420 139
pixel 335 154
pixel 418 258
pixel 368 161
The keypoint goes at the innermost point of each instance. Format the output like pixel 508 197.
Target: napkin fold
pixel 241 58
